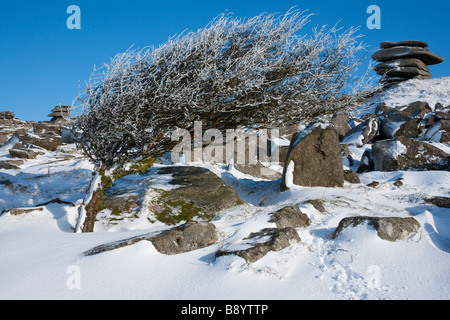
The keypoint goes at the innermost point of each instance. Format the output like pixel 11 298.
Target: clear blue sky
pixel 41 60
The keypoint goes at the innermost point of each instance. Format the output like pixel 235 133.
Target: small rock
pixel 318 205
pixel 187 237
pixel 269 239
pixel 19 211
pixel 340 123
pixel 416 109
pixel 391 228
pixel 366 162
pixel 22 153
pixel 290 216
pixel 9 166
pixel 373 184
pixel 362 133
pixel 351 176
pixel 398 182
pixel 190 236
pixel 442 202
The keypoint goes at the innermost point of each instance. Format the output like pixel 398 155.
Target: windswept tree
pixel 258 72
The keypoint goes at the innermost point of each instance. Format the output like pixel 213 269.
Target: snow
pixel 41 257
pixel 431 90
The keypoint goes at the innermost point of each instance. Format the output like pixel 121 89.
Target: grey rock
pixel 8 165
pixel 373 184
pixel 405 153
pixel 398 124
pixel 317 204
pixel 290 216
pixel 22 153
pixel 382 108
pixel 7 115
pixel 48 141
pixel 340 123
pixel 388 228
pixel 201 186
pixel 408 43
pixel 20 211
pixel 442 202
pixel 189 236
pixel 439 131
pixel 405 72
pixel 258 170
pixel 439 115
pixel 362 133
pixel 392 64
pixel 199 194
pixel 262 242
pixel 3 138
pixel 186 237
pixel 317 159
pixel 41 127
pixel 416 109
pixel 393 53
pixel 366 162
pixel 409 129
pixel 351 176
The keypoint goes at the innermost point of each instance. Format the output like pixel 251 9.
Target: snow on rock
pixel 43 258
pixel 432 91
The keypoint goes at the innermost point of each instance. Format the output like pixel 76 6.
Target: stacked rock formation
pixel 7 115
pixel 59 113
pixel 404 60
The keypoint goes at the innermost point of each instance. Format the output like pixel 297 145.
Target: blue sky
pixel 42 61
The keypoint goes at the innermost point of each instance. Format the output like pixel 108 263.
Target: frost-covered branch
pixel 259 71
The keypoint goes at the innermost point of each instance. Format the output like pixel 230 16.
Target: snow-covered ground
pixel 42 258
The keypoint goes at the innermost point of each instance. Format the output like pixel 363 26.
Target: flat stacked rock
pixel 404 60
pixel 59 113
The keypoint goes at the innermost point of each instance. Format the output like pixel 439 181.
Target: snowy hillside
pixel 42 258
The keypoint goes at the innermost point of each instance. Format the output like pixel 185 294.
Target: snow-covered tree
pixel 258 72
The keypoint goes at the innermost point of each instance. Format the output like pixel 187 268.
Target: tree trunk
pixel 88 210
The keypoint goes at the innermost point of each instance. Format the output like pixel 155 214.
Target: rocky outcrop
pixel 314 159
pixel 59 113
pixel 7 115
pixel 403 60
pixel 48 141
pixel 199 192
pixel 185 193
pixel 405 153
pixel 404 139
pixel 388 228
